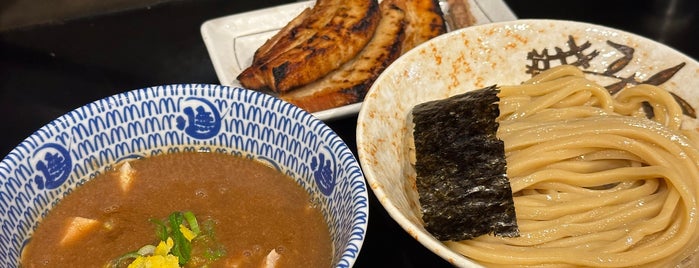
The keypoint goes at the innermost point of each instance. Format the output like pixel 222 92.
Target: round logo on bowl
pixel 324 170
pixel 200 119
pixel 53 163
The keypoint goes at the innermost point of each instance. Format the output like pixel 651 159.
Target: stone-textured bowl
pixel 75 147
pixel 505 53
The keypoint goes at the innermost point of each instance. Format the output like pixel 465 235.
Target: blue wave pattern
pixel 79 145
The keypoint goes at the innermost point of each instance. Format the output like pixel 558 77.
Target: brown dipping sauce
pixel 255 208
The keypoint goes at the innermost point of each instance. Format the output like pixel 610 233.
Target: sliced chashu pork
pixel 347 32
pixel 349 83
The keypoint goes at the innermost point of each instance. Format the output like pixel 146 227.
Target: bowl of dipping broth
pixel 598 161
pixel 183 175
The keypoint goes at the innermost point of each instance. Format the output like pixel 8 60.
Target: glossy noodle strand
pixel 595 182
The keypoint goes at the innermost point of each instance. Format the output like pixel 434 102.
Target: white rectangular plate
pixel 232 40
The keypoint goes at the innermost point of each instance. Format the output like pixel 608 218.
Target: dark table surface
pixel 48 70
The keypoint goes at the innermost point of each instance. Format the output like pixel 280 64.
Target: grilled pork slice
pixel 285 37
pixel 459 14
pixel 425 21
pixel 350 83
pixel 298 30
pixel 349 30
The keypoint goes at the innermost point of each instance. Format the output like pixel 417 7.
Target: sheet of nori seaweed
pixel 461 169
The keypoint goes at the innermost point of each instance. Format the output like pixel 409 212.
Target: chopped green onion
pixel 213 254
pixel 181 247
pixel 192 221
pixel 161 229
pixel 118 261
pixel 146 250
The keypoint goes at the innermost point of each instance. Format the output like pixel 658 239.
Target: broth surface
pixel 255 208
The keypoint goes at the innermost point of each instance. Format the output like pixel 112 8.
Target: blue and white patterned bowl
pixel 79 145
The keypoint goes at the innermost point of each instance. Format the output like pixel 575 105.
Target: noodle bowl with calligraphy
pixel 582 112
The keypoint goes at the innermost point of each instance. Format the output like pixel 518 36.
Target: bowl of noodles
pixel 184 175
pixel 598 133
